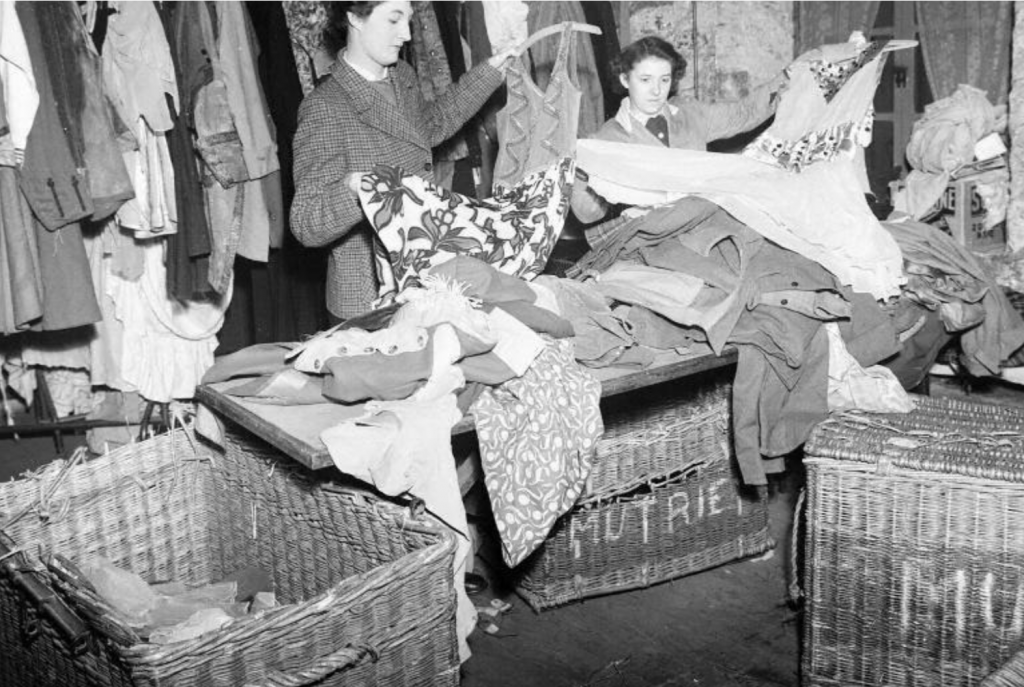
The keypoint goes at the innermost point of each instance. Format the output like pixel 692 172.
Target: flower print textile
pixel 421 225
pixel 538 434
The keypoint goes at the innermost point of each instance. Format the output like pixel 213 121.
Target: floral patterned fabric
pixel 421 225
pixel 816 146
pixel 306 20
pixel 832 76
pixel 537 437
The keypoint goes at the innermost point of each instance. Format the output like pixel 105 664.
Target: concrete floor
pixel 726 627
pixel 729 626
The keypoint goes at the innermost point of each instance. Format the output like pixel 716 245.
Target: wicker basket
pixel 915 550
pixel 1010 675
pixel 679 510
pixel 649 441
pixel 366 590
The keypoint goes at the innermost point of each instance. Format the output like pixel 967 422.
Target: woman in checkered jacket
pixel 369 111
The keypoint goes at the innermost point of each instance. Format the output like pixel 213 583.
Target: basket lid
pixel 941 435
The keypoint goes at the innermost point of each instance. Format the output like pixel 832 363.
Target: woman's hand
pixel 502 60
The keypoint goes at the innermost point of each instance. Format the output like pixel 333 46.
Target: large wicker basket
pixel 915 549
pixel 664 501
pixel 366 588
pixel 1011 674
pixel 682 427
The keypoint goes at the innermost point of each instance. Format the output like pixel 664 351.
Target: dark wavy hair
pixel 335 34
pixel 652 46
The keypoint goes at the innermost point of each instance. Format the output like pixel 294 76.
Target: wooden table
pixel 295 430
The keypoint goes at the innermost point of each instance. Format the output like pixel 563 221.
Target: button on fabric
pixel 427 166
pixel 784 301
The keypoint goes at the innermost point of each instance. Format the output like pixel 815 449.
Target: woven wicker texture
pixel 1010 675
pixel 366 588
pixel 648 441
pixel 914 549
pixel 679 508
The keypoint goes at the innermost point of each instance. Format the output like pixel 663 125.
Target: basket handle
pixel 321 668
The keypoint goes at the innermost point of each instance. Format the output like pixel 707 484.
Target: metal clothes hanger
pixel 551 30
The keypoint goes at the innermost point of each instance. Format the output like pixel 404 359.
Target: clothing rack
pixel 47 421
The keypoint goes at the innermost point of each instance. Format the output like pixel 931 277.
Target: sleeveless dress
pixel 536 128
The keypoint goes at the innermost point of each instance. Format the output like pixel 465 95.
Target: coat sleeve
pixel 460 102
pixel 324 209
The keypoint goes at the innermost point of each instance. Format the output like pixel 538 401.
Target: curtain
pixel 819 23
pixel 967 42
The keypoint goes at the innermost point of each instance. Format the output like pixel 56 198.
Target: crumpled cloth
pixel 783 207
pixel 941 141
pixel 851 387
pixel 944 137
pixel 1001 333
pixel 537 436
pixel 405 447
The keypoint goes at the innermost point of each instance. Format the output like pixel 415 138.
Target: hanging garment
pixel 543 60
pixel 820 212
pixel 21 99
pixel 168 344
pixel 606 50
pixel 21 284
pixel 139 75
pixel 55 185
pixel 6 146
pixel 283 299
pixel 238 54
pixel 68 348
pixel 187 251
pixel 421 225
pixel 84 108
pixel 70 391
pixel 138 67
pixel 826 112
pixel 53 177
pixel 538 126
pixel 306 21
pixel 234 54
pixel 537 439
pixel 236 141
pixel 105 349
pixel 438 63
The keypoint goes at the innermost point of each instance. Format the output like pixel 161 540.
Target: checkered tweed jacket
pixel 346 125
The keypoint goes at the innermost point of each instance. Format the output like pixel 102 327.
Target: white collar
pixel 363 71
pixel 627 114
